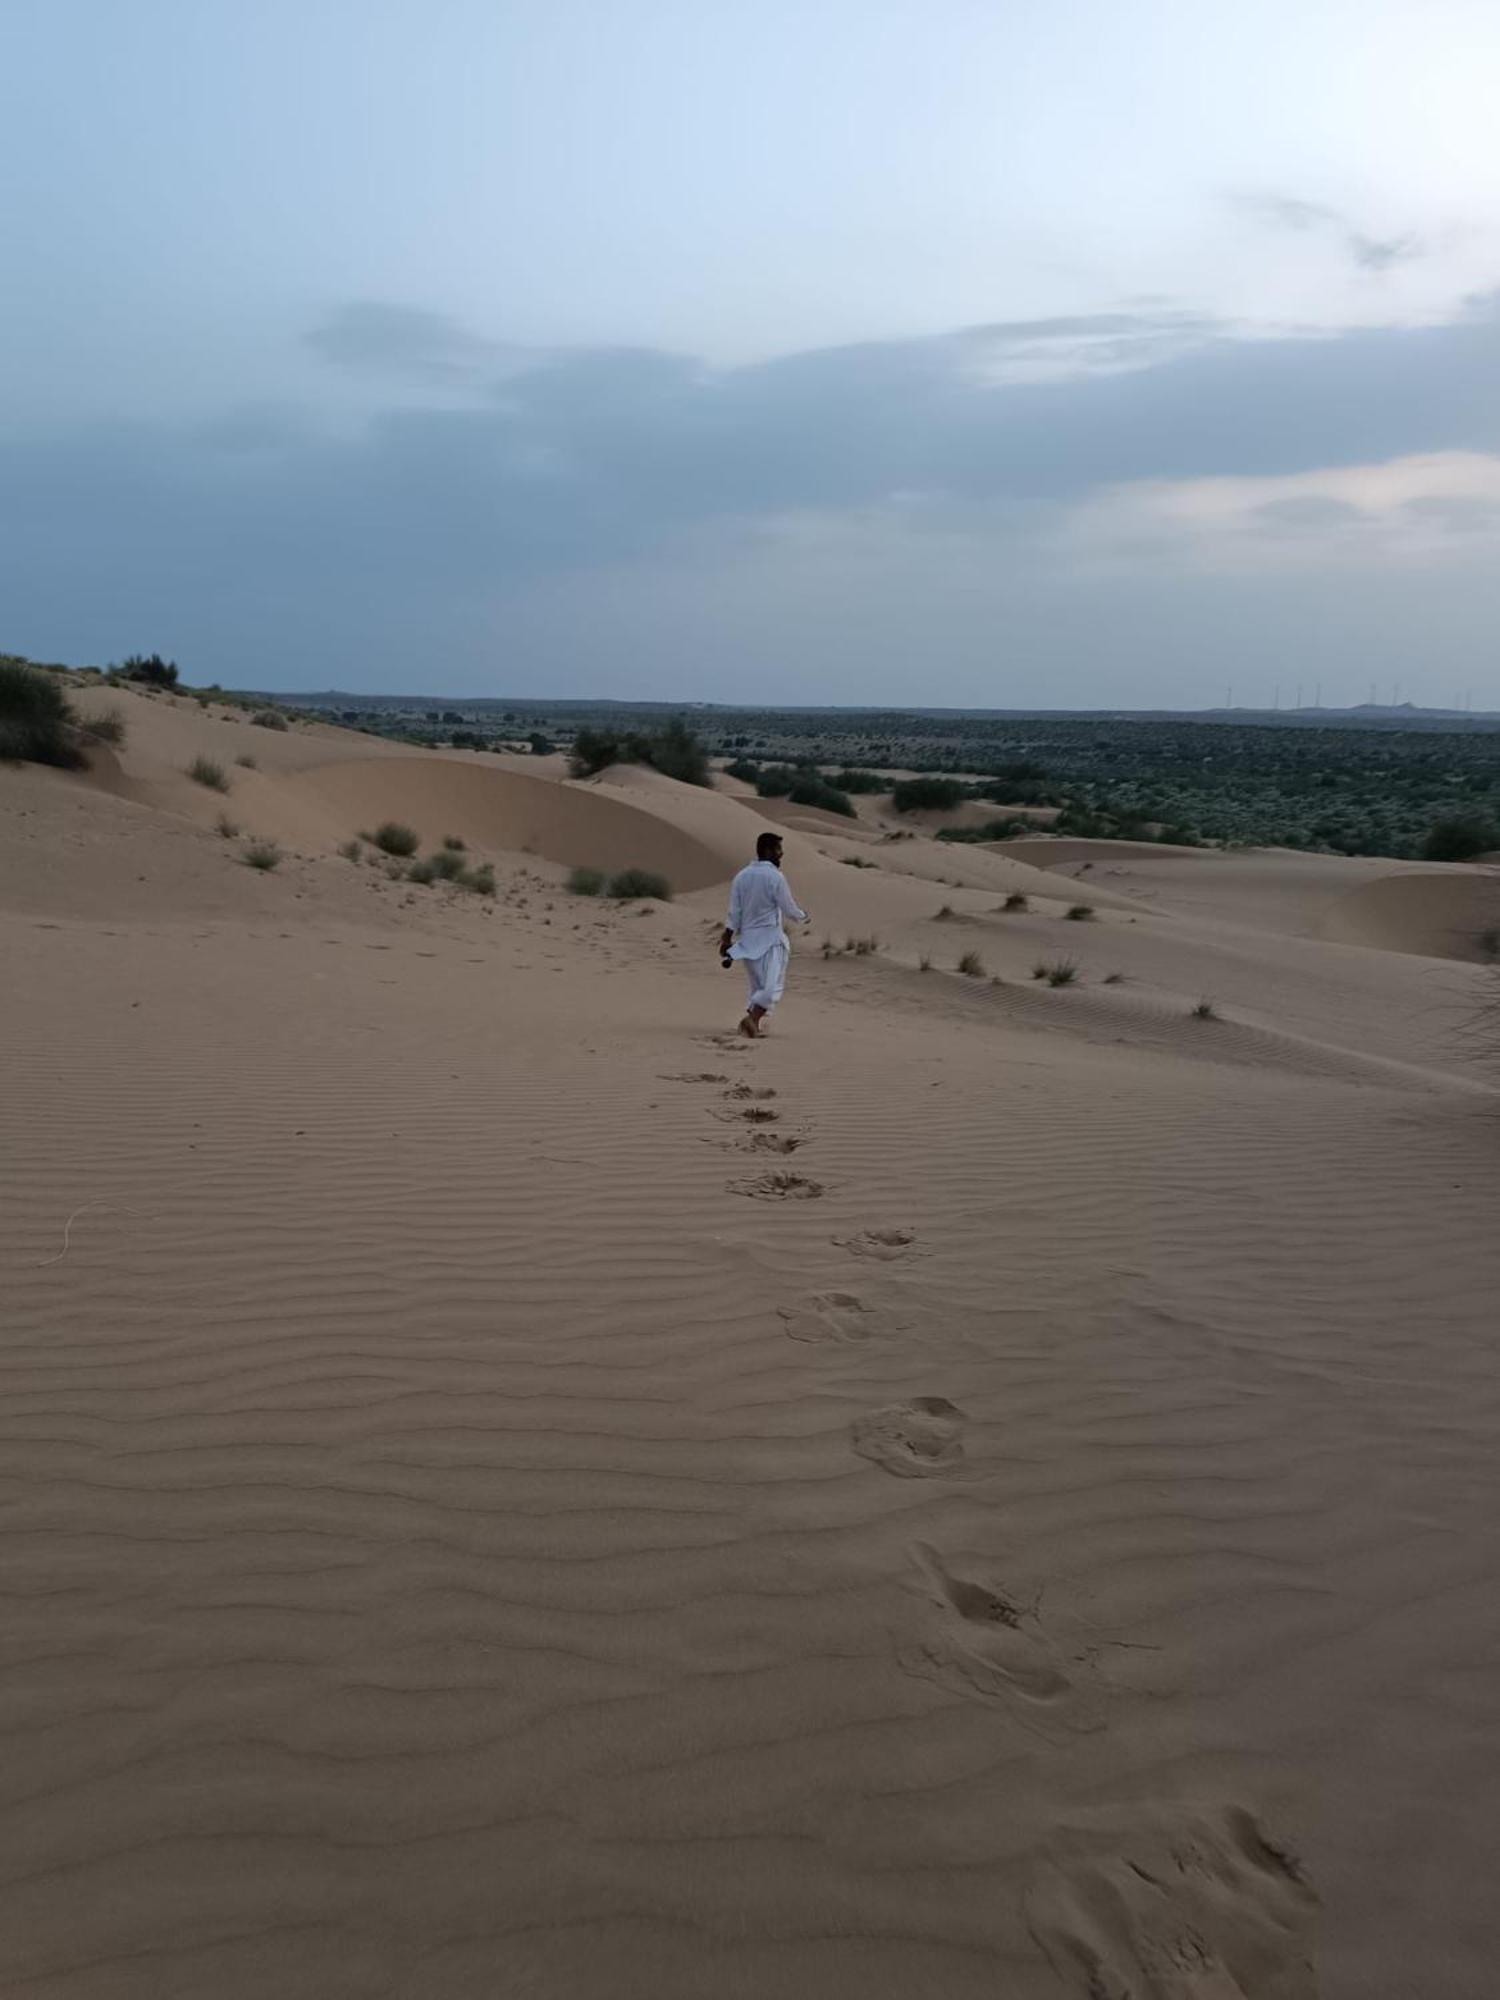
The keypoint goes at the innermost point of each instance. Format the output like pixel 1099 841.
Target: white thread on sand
pixel 68 1225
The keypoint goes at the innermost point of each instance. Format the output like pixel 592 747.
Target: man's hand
pixel 725 941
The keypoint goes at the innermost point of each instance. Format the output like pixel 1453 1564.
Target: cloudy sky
pixel 942 351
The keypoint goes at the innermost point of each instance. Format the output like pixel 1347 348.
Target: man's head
pixel 768 848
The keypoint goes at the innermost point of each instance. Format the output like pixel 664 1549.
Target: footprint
pixel 1176 1904
pixel 770 1142
pixel 744 1090
pixel 883 1244
pixel 990 1645
pixel 695 1076
pixel 779 1186
pixel 834 1318
pixel 917 1440
pixel 757 1114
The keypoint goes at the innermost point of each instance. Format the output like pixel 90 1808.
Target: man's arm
pixel 788 901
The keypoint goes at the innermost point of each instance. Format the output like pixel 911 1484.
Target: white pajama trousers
pixel 766 974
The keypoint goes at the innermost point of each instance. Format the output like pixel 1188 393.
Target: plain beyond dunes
pixel 513 1489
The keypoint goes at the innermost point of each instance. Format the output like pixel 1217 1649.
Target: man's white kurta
pixel 758 901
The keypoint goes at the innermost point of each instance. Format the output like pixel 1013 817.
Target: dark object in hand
pixel 726 961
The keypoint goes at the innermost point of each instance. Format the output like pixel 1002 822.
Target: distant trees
pixel 674 751
pixel 539 745
pixel 150 669
pixel 927 794
pixel 1460 838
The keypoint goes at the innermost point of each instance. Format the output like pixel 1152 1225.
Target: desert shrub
pixel 1460 838
pixel 860 781
pixel 971 965
pixel 1056 972
pixel 994 829
pixel 674 751
pixel 1016 900
pixel 453 844
pixel 148 668
pixel 857 861
pixel 246 761
pixel 1079 913
pixel 204 771
pixel 586 882
pixel 480 880
pixel 945 913
pixel 743 769
pixel 776 780
pixel 446 865
pixel 924 963
pixel 391 837
pixel 421 872
pixel 926 794
pixel 106 727
pixel 35 719
pixel 264 855
pixel 636 884
pixel 270 718
pixel 227 827
pixel 1205 1011
pixel 864 947
pixel 351 850
pixel 539 745
pixel 810 790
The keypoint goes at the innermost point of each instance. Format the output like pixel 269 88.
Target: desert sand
pixel 990 1493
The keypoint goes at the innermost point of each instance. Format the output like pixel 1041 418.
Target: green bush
pixel 270 718
pixel 674 751
pixel 1080 913
pixel 810 790
pixel 1460 838
pixel 927 794
pixel 1016 900
pixel 636 884
pixel 995 829
pixel 391 837
pixel 264 855
pixel 971 965
pixel 421 872
pixel 454 845
pixel 743 769
pixel 204 771
pixel 539 745
pixel 480 880
pixel 860 781
pixel 148 668
pixel 1056 972
pixel 446 865
pixel 586 882
pixel 35 719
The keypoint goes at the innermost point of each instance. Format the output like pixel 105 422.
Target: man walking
pixel 754 933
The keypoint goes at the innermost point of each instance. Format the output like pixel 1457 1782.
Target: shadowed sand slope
pixel 509 1488
pixel 1454 913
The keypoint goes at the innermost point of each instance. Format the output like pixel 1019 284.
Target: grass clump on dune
pixel 638 884
pixel 1079 913
pixel 246 761
pixel 971 965
pixel 480 880
pixel 227 827
pixel 352 851
pixel 107 727
pixel 1016 900
pixel 586 882
pixel 446 865
pixel 421 872
pixel 452 842
pixel 1056 971
pixel 204 771
pixel 270 718
pixel 391 837
pixel 264 855
pixel 1205 1011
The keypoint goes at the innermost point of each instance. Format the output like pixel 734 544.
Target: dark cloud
pixel 345 548
pixel 395 339
pixel 1369 253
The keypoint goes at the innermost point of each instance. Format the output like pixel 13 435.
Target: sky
pixel 1131 353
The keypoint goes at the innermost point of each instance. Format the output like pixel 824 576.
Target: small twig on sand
pixel 68 1226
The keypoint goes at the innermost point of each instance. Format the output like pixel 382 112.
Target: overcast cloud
pixel 975 436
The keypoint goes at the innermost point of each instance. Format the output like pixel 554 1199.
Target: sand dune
pixel 1455 914
pixel 510 1489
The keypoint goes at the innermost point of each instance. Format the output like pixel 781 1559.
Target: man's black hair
pixel 764 845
